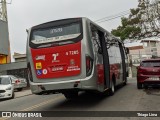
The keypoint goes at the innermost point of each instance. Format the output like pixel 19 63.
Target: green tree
pixel 143 21
pixel 126 30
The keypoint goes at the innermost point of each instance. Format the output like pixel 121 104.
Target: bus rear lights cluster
pixel 89 65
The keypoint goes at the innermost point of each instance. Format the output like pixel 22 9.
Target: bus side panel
pixel 91 81
pixel 100 70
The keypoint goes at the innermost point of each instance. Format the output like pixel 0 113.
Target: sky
pixel 23 14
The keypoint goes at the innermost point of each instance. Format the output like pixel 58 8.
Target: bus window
pixel 95 39
pixel 56 35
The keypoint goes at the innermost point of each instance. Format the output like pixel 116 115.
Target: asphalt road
pixel 126 98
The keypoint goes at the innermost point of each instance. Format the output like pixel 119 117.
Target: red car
pixel 148 73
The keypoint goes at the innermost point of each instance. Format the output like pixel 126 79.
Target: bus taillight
pixel 89 64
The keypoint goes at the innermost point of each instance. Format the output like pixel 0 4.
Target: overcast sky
pixel 23 14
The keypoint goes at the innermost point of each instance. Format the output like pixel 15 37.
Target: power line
pixel 111 16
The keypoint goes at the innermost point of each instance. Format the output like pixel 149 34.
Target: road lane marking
pixel 41 104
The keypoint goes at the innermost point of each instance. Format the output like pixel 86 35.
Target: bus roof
pixel 74 20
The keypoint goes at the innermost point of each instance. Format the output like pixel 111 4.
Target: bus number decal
pixel 56 30
pixel 75 52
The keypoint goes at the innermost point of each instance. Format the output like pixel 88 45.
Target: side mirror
pixel 99 50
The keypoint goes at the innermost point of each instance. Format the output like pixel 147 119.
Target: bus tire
pixel 112 89
pixel 71 95
pixel 125 81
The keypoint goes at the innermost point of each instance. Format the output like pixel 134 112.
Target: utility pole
pixel 3 10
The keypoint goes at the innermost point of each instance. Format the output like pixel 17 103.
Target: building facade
pixel 19 57
pixel 18 68
pixel 144 49
pixel 5 56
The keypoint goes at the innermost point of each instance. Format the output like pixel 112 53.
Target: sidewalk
pixel 22 93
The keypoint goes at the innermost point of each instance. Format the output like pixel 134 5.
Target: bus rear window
pixel 150 64
pixel 55 34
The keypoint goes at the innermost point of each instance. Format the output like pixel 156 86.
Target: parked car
pixel 148 73
pixel 20 83
pixel 6 87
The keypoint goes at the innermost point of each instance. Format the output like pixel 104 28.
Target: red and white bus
pixel 71 55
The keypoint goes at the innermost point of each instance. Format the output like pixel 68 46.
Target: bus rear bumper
pixel 60 87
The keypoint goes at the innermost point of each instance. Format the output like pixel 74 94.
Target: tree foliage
pixel 127 30
pixel 143 21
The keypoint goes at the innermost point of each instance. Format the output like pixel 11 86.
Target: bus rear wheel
pixel 71 95
pixel 125 81
pixel 112 89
